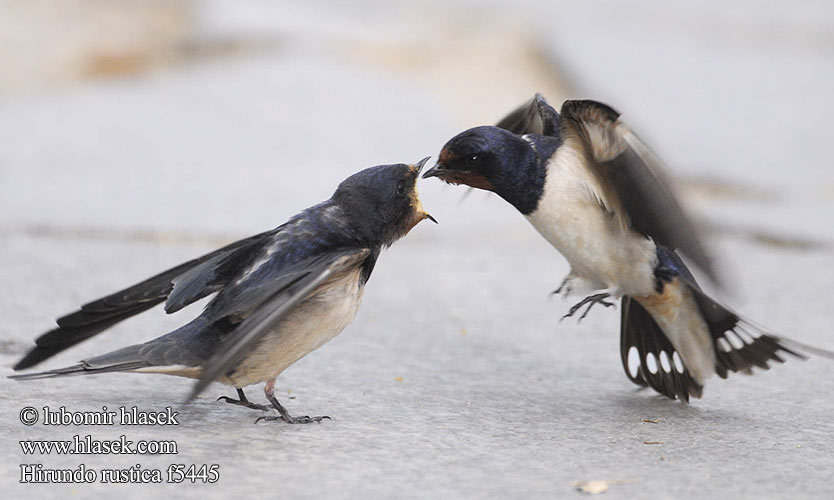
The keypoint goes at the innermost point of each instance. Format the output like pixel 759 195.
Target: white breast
pixel 569 216
pixel 309 326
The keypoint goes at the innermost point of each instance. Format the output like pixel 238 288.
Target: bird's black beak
pixel 435 171
pixel 419 165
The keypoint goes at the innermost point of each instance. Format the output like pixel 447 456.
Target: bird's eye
pixel 401 188
pixel 473 161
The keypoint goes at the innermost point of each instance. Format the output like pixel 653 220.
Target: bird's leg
pixel 573 284
pixel 243 401
pixel 564 287
pixel 269 389
pixel 590 300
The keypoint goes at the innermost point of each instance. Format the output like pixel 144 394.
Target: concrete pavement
pixel 456 380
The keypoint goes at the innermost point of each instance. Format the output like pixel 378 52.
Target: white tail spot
pixel 664 362
pixel 724 345
pixel 736 341
pixel 745 336
pixel 633 362
pixel 651 363
pixel 677 361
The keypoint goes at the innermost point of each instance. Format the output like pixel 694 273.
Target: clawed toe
pixel 283 414
pixel 562 288
pixel 243 402
pixel 591 300
pixel 293 420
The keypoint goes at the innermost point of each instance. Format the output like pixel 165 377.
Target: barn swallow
pixel 597 193
pixel 279 295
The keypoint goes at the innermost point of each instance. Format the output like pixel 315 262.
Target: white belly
pixel 597 249
pixel 309 326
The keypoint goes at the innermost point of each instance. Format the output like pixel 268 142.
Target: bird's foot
pixel 247 404
pixel 573 284
pixel 562 288
pixel 293 420
pixel 244 402
pixel 283 414
pixel 590 301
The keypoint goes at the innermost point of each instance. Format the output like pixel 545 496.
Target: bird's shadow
pixel 644 403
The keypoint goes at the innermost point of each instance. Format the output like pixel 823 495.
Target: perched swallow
pixel 279 295
pixel 599 195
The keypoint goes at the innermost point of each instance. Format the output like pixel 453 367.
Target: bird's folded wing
pixel 259 307
pixel 535 116
pixel 180 285
pixel 633 182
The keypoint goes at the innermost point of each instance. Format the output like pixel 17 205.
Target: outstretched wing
pixel 178 287
pixel 259 302
pixel 535 116
pixel 634 184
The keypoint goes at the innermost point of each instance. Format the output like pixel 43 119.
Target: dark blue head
pixel 493 159
pixel 382 201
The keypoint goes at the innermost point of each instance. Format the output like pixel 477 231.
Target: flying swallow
pixel 279 295
pixel 598 194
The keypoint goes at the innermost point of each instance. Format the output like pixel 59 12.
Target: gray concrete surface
pixel 457 379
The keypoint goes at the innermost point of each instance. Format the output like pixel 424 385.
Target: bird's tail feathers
pixel 649 358
pixel 739 345
pixel 123 360
pixel 79 369
pixel 809 349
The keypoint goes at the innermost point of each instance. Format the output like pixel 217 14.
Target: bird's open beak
pixel 422 214
pixel 419 165
pixel 465 177
pixel 435 171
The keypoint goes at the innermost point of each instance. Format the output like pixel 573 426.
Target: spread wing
pixel 634 184
pixel 177 287
pixel 535 116
pixel 265 295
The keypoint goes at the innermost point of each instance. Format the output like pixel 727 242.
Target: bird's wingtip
pixel 198 388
